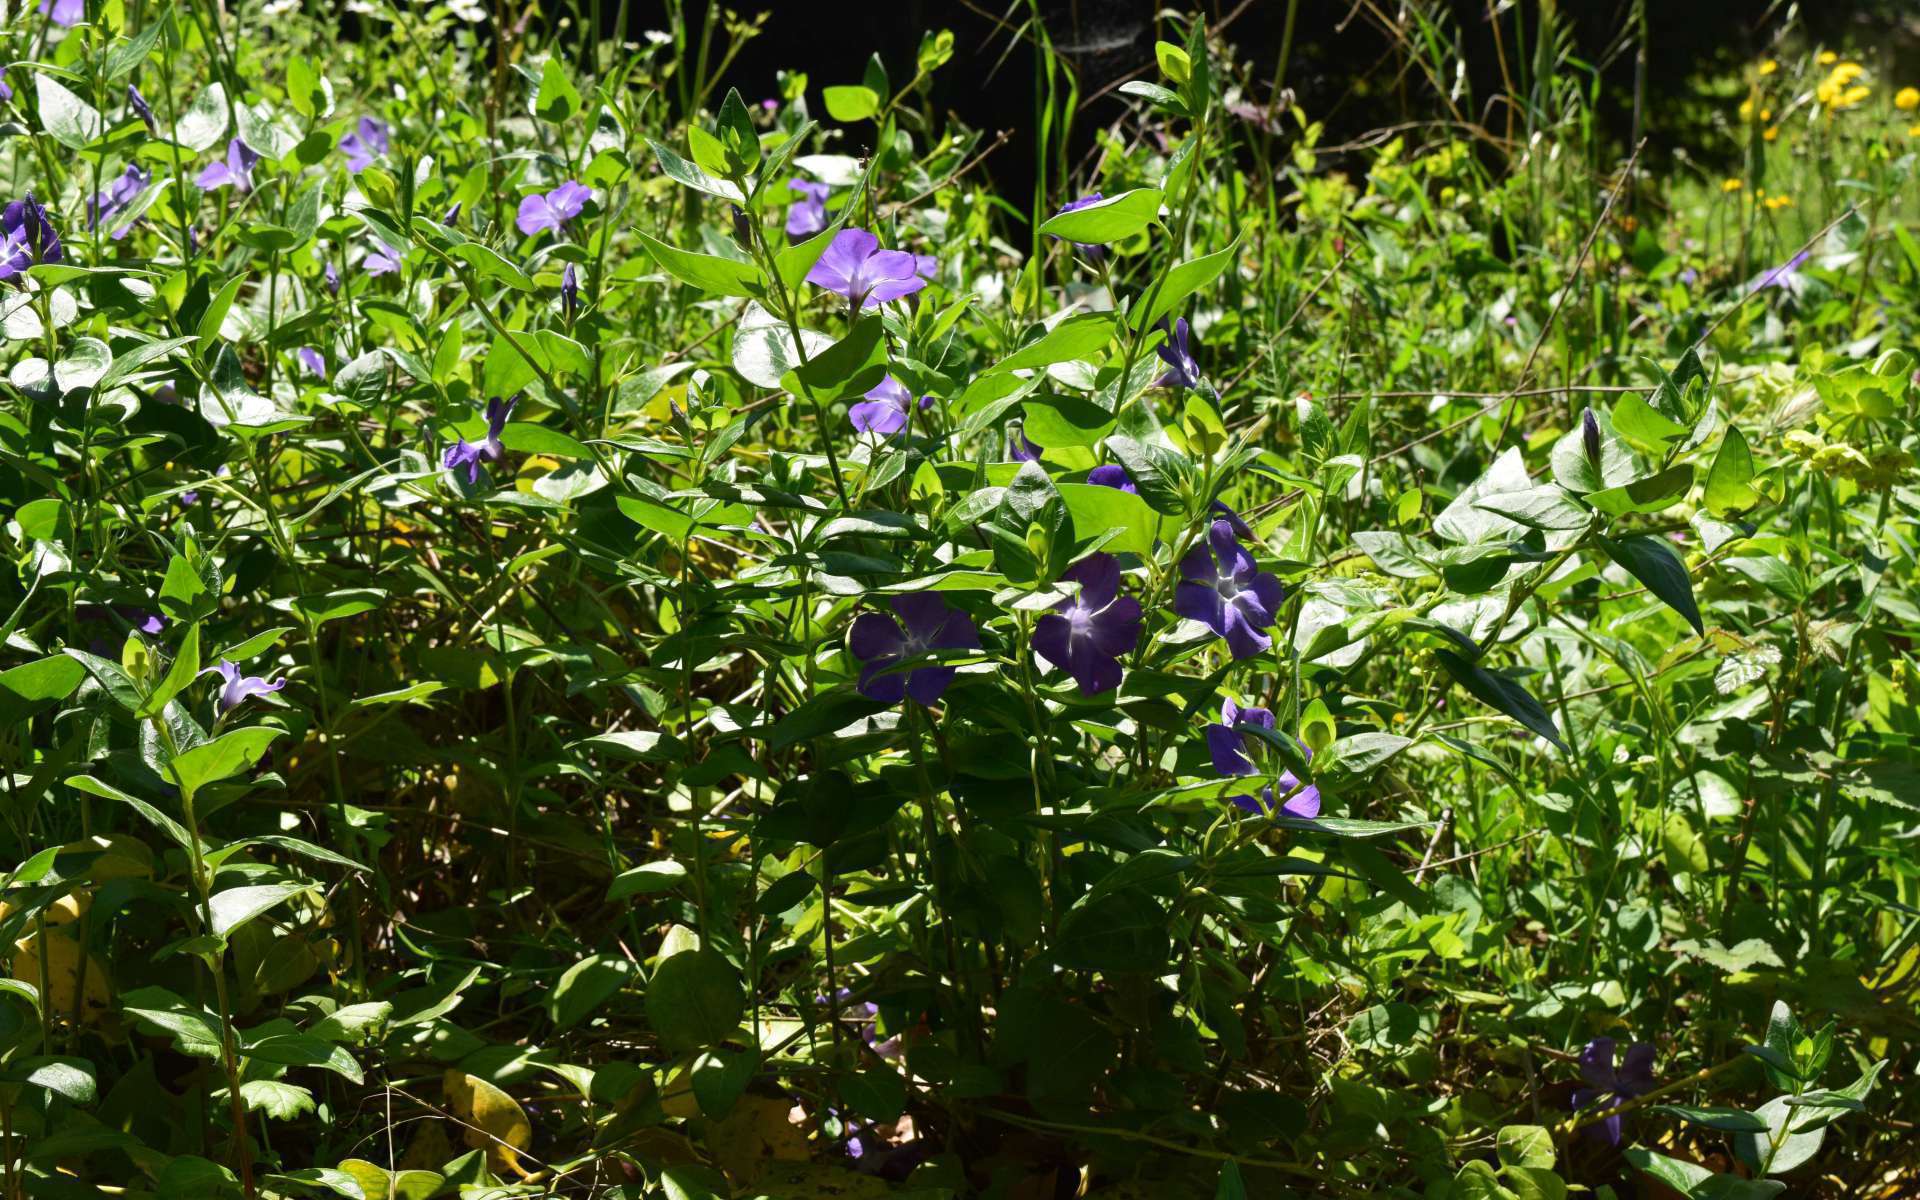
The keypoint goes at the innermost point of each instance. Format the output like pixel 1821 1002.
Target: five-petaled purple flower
pixel 569 292
pixel 383 260
pixel 1610 1086
pixel 554 209
pixel 311 360
pixel 469 454
pixel 1086 636
pixel 856 267
pixel 880 642
pixel 885 409
pixel 238 687
pixel 1226 592
pixel 118 195
pixel 1112 475
pixel 142 109
pixel 26 237
pixel 236 171
pixel 368 142
pixel 1090 198
pixel 1183 371
pixel 807 215
pixel 65 13
pixel 1228 747
pixel 1785 275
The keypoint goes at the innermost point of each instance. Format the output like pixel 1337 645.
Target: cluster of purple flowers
pixel 925 623
pixel 1224 590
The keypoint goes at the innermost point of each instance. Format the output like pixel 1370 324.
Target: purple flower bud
pixel 369 141
pixel 1182 369
pixel 1590 436
pixel 332 279
pixel 142 109
pixel 569 292
pixel 27 237
pixel 311 360
pixel 885 409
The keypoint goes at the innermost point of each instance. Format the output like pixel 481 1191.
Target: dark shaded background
pixel 1335 43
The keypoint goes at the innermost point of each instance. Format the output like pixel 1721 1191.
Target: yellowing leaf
pixel 755 1134
pixel 63 975
pixel 495 1121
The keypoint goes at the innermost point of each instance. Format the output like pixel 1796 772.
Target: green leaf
pixel 280 1101
pixel 69 1078
pixel 1524 1146
pixel 1730 480
pixel 1076 338
pixel 1726 1120
pixel 491 266
pixel 557 100
pixel 33 687
pixel 1657 565
pixel 1499 692
pixel 224 756
pixel 680 169
pixel 1109 220
pixel 70 120
pixel 694 1000
pixel 216 314
pixel 236 906
pixel 205 121
pixel 849 367
pixel 1058 422
pixel 635 745
pixel 185 669
pixel 1182 281
pixel 708 272
pixel 661 876
pixel 851 102
pixel 1097 509
pixel 585 987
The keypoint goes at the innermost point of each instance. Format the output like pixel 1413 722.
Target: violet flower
pixel 1090 198
pixel 1610 1086
pixel 382 261
pixel 118 195
pixel 65 13
pixel 1112 475
pixel 238 687
pixel 367 143
pixel 854 266
pixel 885 409
pixel 1226 592
pixel 6 93
pixel 807 215
pixel 331 278
pixel 1019 449
pixel 554 209
pixel 1783 276
pixel 236 171
pixel 27 237
pixel 142 109
pixel 1222 513
pixel 1228 748
pixel 470 454
pixel 311 360
pixel 1086 636
pixel 925 623
pixel 1182 370
pixel 569 292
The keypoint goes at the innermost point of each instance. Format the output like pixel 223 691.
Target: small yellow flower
pixel 1826 92
pixel 1852 96
pixel 1772 133
pixel 1731 185
pixel 1778 202
pixel 1907 99
pixel 1766 114
pixel 1847 72
pixel 1746 109
pixel 1828 58
pixel 1769 67
pixel 1913 131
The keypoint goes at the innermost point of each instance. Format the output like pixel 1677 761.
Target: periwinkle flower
pixel 880 642
pixel 384 260
pixel 331 278
pixel 64 13
pixel 118 195
pixel 235 171
pixel 1177 352
pixel 807 215
pixel 885 409
pixel 1091 198
pixel 1634 1077
pixel 142 109
pixel 1786 275
pixel 1234 522
pixel 856 267
pixel 1019 449
pixel 569 292
pixel 470 454
pixel 1228 748
pixel 311 360
pixel 554 209
pixel 368 141
pixel 453 214
pixel 1223 590
pixel 1112 475
pixel 1086 636
pixel 238 687
pixel 6 93
pixel 27 237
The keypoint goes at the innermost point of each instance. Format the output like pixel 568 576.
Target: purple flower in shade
pixel 470 454
pixel 236 171
pixel 807 215
pixel 1228 747
pixel 1086 636
pixel 1634 1077
pixel 118 195
pixel 1223 590
pixel 885 409
pixel 142 109
pixel 311 360
pixel 331 278
pixel 1689 276
pixel 880 642
pixel 1112 475
pixel 384 260
pixel 569 292
pixel 856 267
pixel 1182 371
pixel 1783 276
pixel 554 209
pixel 368 142
pixel 238 687
pixel 1075 206
pixel 26 237
pixel 6 93
pixel 1019 448
pixel 189 499
pixel 65 13
pixel 148 623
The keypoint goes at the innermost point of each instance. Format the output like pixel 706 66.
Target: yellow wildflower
pixel 1769 67
pixel 1852 96
pixel 1778 202
pixel 1828 58
pixel 1772 133
pixel 1913 131
pixel 1731 185
pixel 1907 99
pixel 1847 72
pixel 1746 109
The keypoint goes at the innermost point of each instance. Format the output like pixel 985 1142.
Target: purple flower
pixel 856 267
pixel 1086 636
pixel 1633 1078
pixel 142 109
pixel 1689 276
pixel 26 237
pixel 1223 513
pixel 149 623
pixel 369 142
pixel 1182 371
pixel 6 93
pixel 469 454
pixel 311 360
pixel 569 292
pixel 382 261
pixel 807 215
pixel 885 409
pixel 331 278
pixel 453 214
pixel 1783 276
pixel 1228 747
pixel 1075 206
pixel 65 13
pixel 880 642
pixel 553 210
pixel 118 195
pixel 236 171
pixel 1019 448
pixel 1112 475
pixel 1226 592
pixel 238 687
